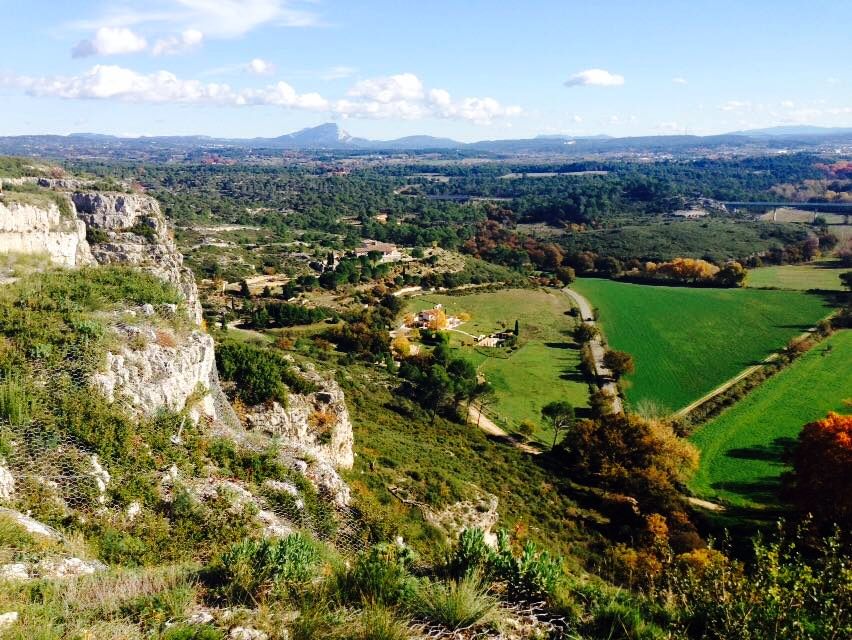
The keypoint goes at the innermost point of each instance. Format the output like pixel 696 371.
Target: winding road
pixel 597 346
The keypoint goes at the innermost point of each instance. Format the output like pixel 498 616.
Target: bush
pixel 619 621
pixel 380 577
pixel 457 604
pixel 470 555
pixel 530 576
pixel 192 632
pixel 251 570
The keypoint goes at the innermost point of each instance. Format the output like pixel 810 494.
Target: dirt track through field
pixel 597 346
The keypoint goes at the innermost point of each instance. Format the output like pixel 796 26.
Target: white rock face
pixel 15 571
pixel 33 230
pixel 7 483
pixel 480 513
pixel 53 568
pixel 116 214
pixel 160 375
pixel 246 633
pixel 318 422
pixel 30 525
pixel 8 619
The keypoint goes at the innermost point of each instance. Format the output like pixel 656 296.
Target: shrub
pixel 380 576
pixel 192 632
pixel 619 621
pixel 532 575
pixel 250 570
pixel 16 403
pixel 470 555
pixel 457 604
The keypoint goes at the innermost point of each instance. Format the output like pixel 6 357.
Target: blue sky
pixel 470 69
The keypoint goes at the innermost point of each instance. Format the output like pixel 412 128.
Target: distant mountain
pixel 795 130
pixel 417 142
pixel 331 137
pixel 328 135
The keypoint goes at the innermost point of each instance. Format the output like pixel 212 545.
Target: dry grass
pixel 166 339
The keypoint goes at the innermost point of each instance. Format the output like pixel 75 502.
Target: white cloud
pixel 788 104
pixel 260 67
pixel 679 80
pixel 595 78
pixel 104 82
pixel 832 80
pixel 386 90
pixel 110 41
pixel 216 18
pixel 401 96
pixel 185 41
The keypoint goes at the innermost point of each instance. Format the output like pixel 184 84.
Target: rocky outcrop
pixel 30 229
pixel 478 513
pixel 131 230
pixel 318 422
pixel 158 369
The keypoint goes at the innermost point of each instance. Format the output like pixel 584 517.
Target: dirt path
pixel 705 504
pixel 588 316
pixel 484 422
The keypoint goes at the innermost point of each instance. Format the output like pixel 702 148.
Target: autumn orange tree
pixel 822 470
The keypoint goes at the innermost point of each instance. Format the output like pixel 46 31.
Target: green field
pixel 686 342
pixel 742 449
pixel 542 369
pixel 816 275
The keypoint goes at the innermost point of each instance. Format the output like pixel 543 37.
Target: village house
pixel 495 339
pixel 389 252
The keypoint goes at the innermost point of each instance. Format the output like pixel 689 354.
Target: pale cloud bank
pixel 401 96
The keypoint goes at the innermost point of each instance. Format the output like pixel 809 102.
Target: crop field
pixel 816 275
pixel 742 449
pixel 686 342
pixel 544 367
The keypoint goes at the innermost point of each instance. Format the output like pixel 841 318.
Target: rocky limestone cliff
pixel 134 232
pixel 319 421
pixel 155 369
pixel 25 228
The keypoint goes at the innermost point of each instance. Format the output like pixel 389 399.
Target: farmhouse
pixel 389 252
pixel 428 317
pixel 495 339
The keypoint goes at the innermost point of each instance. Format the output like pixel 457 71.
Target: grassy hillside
pixel 686 342
pixel 742 449
pixel 816 275
pixel 542 369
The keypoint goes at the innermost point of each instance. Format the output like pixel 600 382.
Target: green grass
pixel 437 462
pixel 742 449
pixel 686 342
pixel 542 369
pixel 816 275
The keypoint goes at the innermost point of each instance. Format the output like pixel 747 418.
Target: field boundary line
pixel 742 375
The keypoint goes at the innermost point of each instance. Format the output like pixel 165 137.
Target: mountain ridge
pixel 330 136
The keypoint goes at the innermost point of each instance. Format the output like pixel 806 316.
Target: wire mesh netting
pixel 50 467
